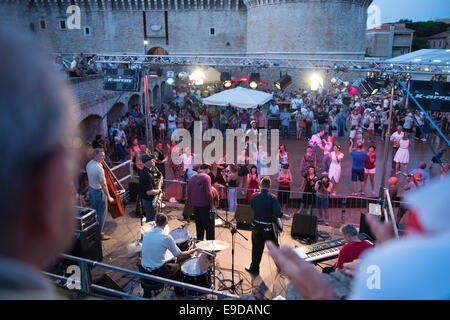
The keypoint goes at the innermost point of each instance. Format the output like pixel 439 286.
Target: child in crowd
pixel 359 136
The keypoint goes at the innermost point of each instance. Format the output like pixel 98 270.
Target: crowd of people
pixel 83 65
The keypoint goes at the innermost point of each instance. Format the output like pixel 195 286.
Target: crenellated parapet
pixel 132 5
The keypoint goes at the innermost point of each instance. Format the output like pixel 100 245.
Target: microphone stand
pixel 233 230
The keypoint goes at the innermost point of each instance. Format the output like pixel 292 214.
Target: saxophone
pixel 158 200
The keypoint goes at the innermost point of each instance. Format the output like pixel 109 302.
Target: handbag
pixel 303 124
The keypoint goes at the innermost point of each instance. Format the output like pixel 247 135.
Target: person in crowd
pixel 262 162
pixel 437 158
pixel 231 180
pixel 444 171
pixel 422 169
pixel 245 119
pixel 285 118
pixel 355 118
pixel 333 123
pixel 283 157
pixel 161 125
pixel 323 189
pixel 201 199
pixel 120 140
pixel 155 244
pixel 402 154
pixel 322 119
pixel 204 120
pixel 260 120
pixel 273 108
pixel 371 120
pixel 414 181
pixel 300 124
pixel 359 158
pixel 174 151
pixel 189 122
pixel 342 122
pixel 59 66
pixel 284 185
pixel 328 144
pixel 253 181
pixel 334 172
pixel 316 140
pixel 408 123
pixel 308 188
pixel 419 121
pixel 160 158
pixel 309 118
pixel 171 123
pixel 309 160
pixel 369 168
pixel 395 140
pixel 265 208
pixel 134 153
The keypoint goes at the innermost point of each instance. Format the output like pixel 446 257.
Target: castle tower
pixel 307 28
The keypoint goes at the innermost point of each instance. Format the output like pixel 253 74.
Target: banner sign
pixel 431 95
pixel 120 79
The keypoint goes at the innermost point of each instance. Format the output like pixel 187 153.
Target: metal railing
pixel 82 281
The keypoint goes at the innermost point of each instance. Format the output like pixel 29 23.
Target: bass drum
pixel 197 271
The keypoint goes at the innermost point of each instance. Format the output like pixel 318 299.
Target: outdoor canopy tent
pixel 239 97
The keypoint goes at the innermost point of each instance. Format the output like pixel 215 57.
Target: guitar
pixel 277 225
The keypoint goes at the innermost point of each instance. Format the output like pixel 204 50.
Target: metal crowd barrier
pixel 82 281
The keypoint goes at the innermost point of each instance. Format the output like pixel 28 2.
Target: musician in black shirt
pixel 265 209
pixel 148 178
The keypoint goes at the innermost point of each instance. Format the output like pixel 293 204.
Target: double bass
pixel 115 208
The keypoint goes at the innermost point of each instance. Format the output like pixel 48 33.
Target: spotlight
pixel 254 79
pixel 197 75
pixel 315 81
pixel 225 77
pixel 283 82
pixel 183 75
pixel 369 86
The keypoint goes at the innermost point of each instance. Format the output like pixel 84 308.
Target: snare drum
pixel 197 271
pixel 182 239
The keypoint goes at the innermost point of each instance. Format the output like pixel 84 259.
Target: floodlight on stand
pixel 369 86
pixel 254 79
pixel 170 78
pixel 283 82
pixel 183 75
pixel 225 77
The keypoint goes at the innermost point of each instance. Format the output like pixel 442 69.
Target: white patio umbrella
pixel 239 97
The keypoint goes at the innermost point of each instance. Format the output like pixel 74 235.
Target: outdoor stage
pixel 126 230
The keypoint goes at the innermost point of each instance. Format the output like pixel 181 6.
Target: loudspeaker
pixel 88 244
pixel 304 226
pixel 106 282
pixel 188 211
pixel 243 216
pixel 133 188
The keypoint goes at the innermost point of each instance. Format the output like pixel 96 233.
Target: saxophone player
pixel 148 186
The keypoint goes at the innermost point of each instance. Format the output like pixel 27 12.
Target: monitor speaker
pixel 304 226
pixel 243 216
pixel 88 244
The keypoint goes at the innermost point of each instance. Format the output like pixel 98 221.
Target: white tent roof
pixel 239 97
pixel 431 56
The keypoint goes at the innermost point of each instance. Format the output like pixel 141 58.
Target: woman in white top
pixel 402 154
pixel 334 173
pixel 371 127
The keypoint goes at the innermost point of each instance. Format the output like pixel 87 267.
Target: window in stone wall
pixel 62 24
pixel 212 32
pixel 87 31
pixel 43 24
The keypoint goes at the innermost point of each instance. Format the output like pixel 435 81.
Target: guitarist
pixel 266 209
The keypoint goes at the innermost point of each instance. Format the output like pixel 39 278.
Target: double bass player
pixel 98 191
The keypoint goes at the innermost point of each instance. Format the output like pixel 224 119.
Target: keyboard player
pixel 351 250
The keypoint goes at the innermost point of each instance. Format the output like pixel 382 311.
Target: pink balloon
pixel 353 90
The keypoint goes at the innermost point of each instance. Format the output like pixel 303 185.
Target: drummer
pixel 155 243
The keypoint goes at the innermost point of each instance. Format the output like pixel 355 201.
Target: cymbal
pixel 212 245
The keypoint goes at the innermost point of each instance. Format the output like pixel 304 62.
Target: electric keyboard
pixel 324 250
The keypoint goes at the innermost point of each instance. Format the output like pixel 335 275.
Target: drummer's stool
pixel 151 288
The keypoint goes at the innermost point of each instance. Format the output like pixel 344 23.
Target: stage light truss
pixel 279 63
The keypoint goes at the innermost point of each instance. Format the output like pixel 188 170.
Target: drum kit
pixel 197 270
